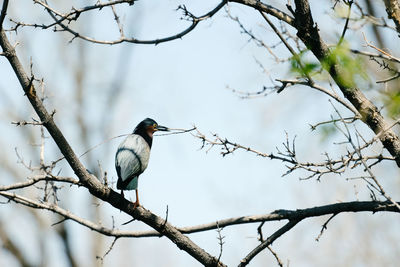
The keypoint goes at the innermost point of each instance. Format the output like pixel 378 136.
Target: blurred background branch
pixel 94 92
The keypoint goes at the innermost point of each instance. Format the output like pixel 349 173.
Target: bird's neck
pixel 147 136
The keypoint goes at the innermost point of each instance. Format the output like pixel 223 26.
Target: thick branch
pixel 3 13
pixel 90 182
pixel 278 215
pixel 393 11
pixel 267 9
pixel 308 32
pixel 299 214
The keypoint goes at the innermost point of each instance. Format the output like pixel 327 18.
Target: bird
pixel 133 155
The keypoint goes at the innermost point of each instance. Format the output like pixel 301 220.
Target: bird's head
pixel 149 126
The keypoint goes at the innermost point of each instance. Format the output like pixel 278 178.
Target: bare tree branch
pixel 37 178
pixel 349 3
pixel 367 168
pixel 307 32
pixel 380 55
pixel 315 169
pixel 90 182
pixel 322 89
pixel 194 22
pixel 76 12
pixel 260 6
pixel 246 260
pixel 393 11
pixel 278 260
pixel 370 114
pixel 3 13
pixel 325 226
pixel 277 215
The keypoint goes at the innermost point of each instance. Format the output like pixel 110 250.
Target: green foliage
pixel 306 68
pixel 327 131
pixel 352 68
pixel 392 103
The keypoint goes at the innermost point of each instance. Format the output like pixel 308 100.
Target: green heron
pixel 133 155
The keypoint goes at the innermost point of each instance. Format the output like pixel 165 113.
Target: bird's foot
pixel 136 204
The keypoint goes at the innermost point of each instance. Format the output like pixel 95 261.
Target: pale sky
pixel 181 83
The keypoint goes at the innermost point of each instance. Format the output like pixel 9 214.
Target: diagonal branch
pixel 308 32
pixel 393 11
pixel 70 216
pixel 3 13
pixel 90 182
pixel 310 82
pixel 268 242
pixel 260 6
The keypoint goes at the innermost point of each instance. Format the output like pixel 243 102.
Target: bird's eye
pixel 155 125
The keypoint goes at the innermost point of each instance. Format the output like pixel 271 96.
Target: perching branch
pixel 90 182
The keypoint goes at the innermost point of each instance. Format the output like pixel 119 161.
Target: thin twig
pixel 278 260
pixel 349 3
pixel 246 260
pixel 367 169
pixel 3 13
pixel 177 131
pixel 342 101
pixel 108 250
pixel 324 226
pixel 220 241
pixel 194 22
pixel 389 79
pixel 369 44
pixel 369 54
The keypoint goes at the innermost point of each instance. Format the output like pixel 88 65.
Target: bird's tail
pixel 129 184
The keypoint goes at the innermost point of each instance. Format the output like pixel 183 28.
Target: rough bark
pixel 308 32
pixel 92 184
pixel 393 11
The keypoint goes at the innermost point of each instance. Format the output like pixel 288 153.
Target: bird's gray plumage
pixel 131 160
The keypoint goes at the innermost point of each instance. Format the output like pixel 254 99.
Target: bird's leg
pixel 122 193
pixel 137 200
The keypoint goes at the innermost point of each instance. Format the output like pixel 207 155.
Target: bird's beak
pixel 161 128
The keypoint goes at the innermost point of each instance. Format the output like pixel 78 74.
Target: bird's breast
pixel 133 156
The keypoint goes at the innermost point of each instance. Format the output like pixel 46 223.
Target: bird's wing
pixel 132 158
